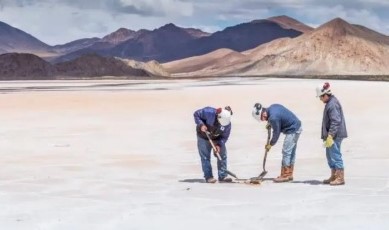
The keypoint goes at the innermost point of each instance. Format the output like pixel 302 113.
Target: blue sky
pixel 61 21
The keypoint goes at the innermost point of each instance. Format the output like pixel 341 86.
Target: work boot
pixel 211 180
pixel 226 180
pixel 339 177
pixel 290 175
pixel 284 177
pixel 332 177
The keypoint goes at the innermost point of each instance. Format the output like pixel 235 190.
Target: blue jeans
pixel 334 156
pixel 289 148
pixel 205 149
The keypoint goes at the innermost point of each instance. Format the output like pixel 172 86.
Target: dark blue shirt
pixel 207 116
pixel 281 120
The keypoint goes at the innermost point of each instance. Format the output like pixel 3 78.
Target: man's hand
pixel 217 148
pixel 328 142
pixel 203 128
pixel 268 147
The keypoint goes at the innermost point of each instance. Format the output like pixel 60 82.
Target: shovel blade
pixel 262 175
pixel 232 174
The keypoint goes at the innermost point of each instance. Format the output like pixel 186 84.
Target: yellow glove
pixel 329 142
pixel 268 147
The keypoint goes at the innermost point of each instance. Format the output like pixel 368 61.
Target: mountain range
pixel 277 46
pixel 334 48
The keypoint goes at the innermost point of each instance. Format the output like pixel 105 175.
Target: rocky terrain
pixel 275 46
pixel 334 48
pixel 21 66
pixel 15 66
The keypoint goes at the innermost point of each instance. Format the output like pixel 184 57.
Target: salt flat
pixel 122 155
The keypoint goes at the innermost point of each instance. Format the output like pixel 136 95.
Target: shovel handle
pixel 213 146
pixel 218 155
pixel 265 156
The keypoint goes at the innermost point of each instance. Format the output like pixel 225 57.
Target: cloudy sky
pixel 61 21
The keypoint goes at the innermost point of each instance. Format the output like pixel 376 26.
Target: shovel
pixel 264 172
pixel 217 154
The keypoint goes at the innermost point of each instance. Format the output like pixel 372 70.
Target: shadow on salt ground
pixel 192 181
pixel 311 182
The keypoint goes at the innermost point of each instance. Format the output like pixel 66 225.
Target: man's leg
pixel 290 143
pixel 331 164
pixel 204 148
pixel 295 140
pixel 222 165
pixel 336 155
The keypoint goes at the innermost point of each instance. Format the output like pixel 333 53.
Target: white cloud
pixel 160 7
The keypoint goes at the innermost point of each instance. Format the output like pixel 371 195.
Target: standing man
pixel 333 131
pixel 281 120
pixel 218 123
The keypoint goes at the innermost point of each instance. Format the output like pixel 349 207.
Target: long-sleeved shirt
pixel 333 123
pixel 207 116
pixel 281 120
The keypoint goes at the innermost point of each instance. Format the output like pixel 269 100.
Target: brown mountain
pixel 122 35
pixel 153 68
pixel 290 23
pixel 170 42
pixel 203 64
pixel 142 45
pixel 15 40
pixel 93 65
pixel 335 48
pixel 153 45
pixel 21 66
pixel 238 38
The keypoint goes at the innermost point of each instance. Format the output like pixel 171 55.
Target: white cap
pixel 257 110
pixel 323 89
pixel 224 117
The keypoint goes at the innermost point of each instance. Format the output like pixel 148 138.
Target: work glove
pixel 328 142
pixel 268 126
pixel 204 128
pixel 268 147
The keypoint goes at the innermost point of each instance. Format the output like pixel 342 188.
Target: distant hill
pixel 171 42
pixel 275 46
pixel 290 23
pixel 334 48
pixel 15 40
pixel 163 44
pixel 15 66
pixel 203 64
pixel 93 65
pixel 75 45
pixel 21 66
pixel 143 45
pixel 119 36
pixel 238 38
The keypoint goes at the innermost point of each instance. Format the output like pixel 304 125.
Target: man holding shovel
pixel 213 124
pixel 281 120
